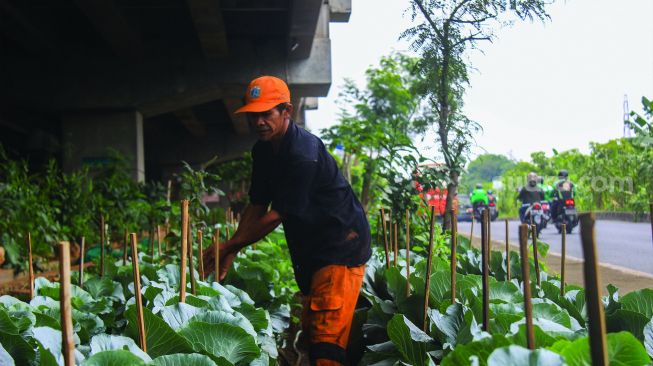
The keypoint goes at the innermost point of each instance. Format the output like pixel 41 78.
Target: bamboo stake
pixel 525 270
pixel 385 239
pixel 184 250
pixel 31 265
pixel 562 264
pixel 471 230
pixel 537 262
pixel 391 247
pixel 102 242
pixel 396 246
pixel 124 249
pixel 216 254
pixel 81 261
pixel 454 248
pixel 650 215
pixel 191 265
pixel 507 251
pixel 67 341
pixel 429 260
pixel 158 237
pixel 137 294
pixel 596 326
pixel 485 245
pixel 200 253
pixel 151 241
pixel 407 252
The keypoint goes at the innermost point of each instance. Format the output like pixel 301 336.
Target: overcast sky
pixel 538 86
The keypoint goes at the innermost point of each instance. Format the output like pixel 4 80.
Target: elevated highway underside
pixel 155 80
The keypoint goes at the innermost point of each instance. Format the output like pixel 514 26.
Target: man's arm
pixel 255 224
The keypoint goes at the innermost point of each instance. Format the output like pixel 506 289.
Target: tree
pixel 485 168
pixel 376 131
pixel 446 30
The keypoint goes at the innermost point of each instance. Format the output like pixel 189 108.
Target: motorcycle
pixel 567 216
pixel 478 211
pixel 494 211
pixel 546 212
pixel 534 216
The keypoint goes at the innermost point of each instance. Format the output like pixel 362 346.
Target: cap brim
pixel 257 107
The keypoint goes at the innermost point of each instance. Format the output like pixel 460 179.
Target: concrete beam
pixel 238 121
pixel 190 121
pixel 109 21
pixel 303 21
pixel 18 28
pixel 340 10
pixel 155 89
pixel 207 18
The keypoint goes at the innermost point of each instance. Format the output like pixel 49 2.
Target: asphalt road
pixel 622 244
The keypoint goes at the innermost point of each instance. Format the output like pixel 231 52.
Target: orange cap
pixel 265 93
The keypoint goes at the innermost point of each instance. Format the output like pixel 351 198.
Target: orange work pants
pixel 329 310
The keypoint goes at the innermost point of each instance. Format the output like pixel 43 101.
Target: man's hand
pixel 226 259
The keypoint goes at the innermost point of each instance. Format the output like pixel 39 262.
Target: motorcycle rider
pixel 529 194
pixel 563 190
pixel 478 197
pixel 547 188
pixel 491 197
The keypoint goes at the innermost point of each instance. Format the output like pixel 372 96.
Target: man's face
pixel 270 125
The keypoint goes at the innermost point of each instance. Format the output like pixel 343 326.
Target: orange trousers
pixel 329 310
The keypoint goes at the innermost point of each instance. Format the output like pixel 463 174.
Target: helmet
pixel 489 191
pixel 563 173
pixel 531 177
pixel 479 186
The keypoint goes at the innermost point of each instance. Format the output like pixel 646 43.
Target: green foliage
pixel 614 176
pixel 376 126
pixel 483 169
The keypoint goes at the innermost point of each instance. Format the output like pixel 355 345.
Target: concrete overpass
pixel 156 80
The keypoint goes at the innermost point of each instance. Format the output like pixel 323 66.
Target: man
pixel 325 226
pixel 563 190
pixel 478 197
pixel 529 195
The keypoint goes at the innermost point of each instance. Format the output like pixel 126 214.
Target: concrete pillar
pixel 89 137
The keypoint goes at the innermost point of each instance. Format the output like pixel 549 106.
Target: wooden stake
pixel 200 253
pixel 151 242
pixel 124 249
pixel 537 262
pixel 485 245
pixel 102 242
pixel 67 340
pixel 562 263
pixel 507 251
pixel 81 261
pixel 158 237
pixel 191 265
pixel 407 252
pixel 137 293
pixel 385 239
pixel 396 245
pixel 650 215
pixel 216 254
pixel 471 231
pixel 31 266
pixel 429 260
pixel 596 326
pixel 184 250
pixel 454 248
pixel 526 273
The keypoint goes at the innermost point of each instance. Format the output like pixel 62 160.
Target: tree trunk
pixel 367 183
pixel 452 188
